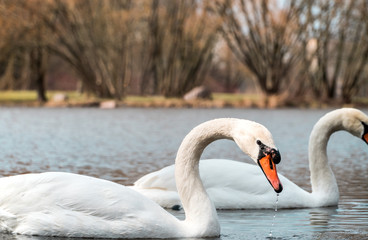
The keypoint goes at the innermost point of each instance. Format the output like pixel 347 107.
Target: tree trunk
pixel 38 72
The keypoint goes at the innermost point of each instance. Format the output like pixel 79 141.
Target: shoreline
pixel 179 104
pixel 219 100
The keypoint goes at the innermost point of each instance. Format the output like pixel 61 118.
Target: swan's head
pixel 352 120
pixel 355 122
pixel 255 140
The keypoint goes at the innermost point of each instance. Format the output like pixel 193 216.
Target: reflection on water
pixel 123 144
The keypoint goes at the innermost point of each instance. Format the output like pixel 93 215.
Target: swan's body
pixel 71 205
pixel 224 181
pixel 235 188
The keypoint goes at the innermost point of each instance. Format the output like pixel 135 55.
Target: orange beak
pixel 365 137
pixel 269 169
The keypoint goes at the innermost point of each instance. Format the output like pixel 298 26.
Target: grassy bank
pixel 74 99
pixel 220 100
pixel 29 98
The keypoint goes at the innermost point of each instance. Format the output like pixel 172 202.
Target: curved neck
pixel 199 210
pixel 323 180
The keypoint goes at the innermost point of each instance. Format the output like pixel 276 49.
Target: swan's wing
pixel 160 187
pixel 163 179
pixel 63 204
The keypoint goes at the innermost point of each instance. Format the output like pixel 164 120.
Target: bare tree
pixel 261 34
pixel 93 37
pixel 23 47
pixel 11 32
pixel 356 58
pixel 338 34
pixel 182 35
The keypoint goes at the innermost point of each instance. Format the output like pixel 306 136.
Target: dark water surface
pixel 122 145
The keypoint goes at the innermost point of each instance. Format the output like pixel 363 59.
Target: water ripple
pixel 122 145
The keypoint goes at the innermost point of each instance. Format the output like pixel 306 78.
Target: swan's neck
pixel 199 210
pixel 323 181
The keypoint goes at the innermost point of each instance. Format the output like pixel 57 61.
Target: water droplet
pixel 274 216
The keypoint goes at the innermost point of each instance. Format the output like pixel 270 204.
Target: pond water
pixel 122 145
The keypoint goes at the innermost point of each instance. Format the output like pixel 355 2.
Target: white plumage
pixel 237 185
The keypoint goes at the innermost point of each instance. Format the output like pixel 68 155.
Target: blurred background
pixel 292 51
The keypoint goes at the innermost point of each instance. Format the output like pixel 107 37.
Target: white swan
pixel 230 184
pixel 71 205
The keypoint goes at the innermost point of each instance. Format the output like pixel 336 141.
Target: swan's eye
pixel 259 142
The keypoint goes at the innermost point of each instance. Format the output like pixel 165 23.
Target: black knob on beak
pixel 265 150
pixel 276 157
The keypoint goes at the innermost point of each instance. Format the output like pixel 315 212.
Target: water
pixel 121 145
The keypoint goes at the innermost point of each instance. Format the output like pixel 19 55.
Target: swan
pixel 235 188
pixel 72 205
